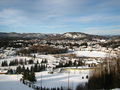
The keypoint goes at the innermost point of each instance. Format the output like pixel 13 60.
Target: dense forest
pixel 41 50
pixel 108 75
pixel 112 44
pixel 12 42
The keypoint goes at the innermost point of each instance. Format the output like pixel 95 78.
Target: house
pixel 3 71
pixel 90 62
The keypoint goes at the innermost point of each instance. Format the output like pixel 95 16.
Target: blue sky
pixel 100 17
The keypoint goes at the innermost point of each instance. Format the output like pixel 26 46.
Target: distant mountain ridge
pixel 74 35
pixel 67 35
pixel 27 35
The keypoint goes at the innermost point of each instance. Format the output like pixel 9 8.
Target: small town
pixel 59 44
pixel 78 57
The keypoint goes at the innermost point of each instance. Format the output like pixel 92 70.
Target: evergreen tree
pixel 28 69
pixel 10 71
pixel 18 70
pixel 37 62
pixel 23 68
pixel 25 62
pixel 11 63
pixel 30 62
pixel 35 68
pixel 21 62
pixel 42 61
pixel 60 64
pixel 29 76
pixel 25 75
pixel 34 56
pixel 4 63
pixel 75 64
pixel 45 61
pixel 43 67
pixel 16 62
pixel 70 63
pixel 39 67
pixel 80 63
pixel 32 69
pixel 32 77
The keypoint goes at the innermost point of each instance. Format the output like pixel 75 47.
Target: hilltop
pixel 53 36
pixel 27 35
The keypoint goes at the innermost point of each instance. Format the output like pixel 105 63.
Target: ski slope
pixel 11 82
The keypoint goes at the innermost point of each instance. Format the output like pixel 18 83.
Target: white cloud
pixel 103 28
pixel 53 14
pixel 11 17
pixel 104 32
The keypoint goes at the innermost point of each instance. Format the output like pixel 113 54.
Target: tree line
pixel 70 64
pixel 35 68
pixel 41 50
pixel 17 62
pixel 9 42
pixel 107 76
pixel 27 75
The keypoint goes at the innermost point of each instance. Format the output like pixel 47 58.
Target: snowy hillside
pixel 61 79
pixel 73 35
pixel 9 82
pixel 76 77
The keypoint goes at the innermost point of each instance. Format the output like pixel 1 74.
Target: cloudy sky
pixel 101 17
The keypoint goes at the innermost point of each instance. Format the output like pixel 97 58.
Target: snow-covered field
pixel 80 54
pixel 52 58
pixel 92 54
pixel 10 82
pixel 61 79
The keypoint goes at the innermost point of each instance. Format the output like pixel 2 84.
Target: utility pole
pixel 68 78
pixel 41 82
pixel 17 76
pixel 72 85
pixel 17 72
pixel 108 66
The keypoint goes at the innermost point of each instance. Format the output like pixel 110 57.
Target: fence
pixel 32 85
